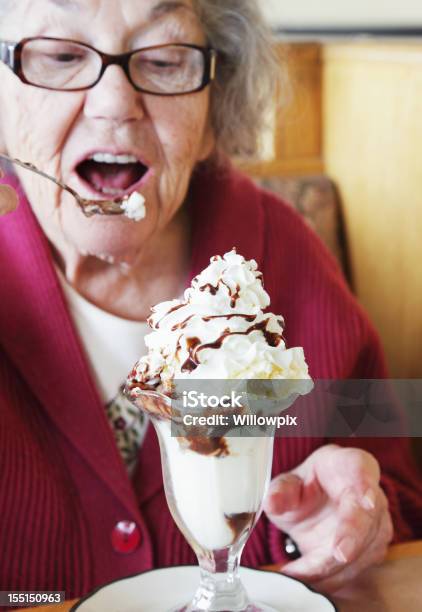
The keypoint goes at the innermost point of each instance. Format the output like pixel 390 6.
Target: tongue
pixel 110 176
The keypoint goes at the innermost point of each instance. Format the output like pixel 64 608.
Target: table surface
pixel 393 586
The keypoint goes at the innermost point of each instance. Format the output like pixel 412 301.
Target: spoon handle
pixel 33 168
pixel 88 207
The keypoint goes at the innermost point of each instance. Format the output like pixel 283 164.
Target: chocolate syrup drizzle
pixel 190 363
pixel 234 296
pixel 204 445
pixel 211 288
pixel 173 309
pixel 183 324
pixel 240 522
pixel 248 318
pixel 194 344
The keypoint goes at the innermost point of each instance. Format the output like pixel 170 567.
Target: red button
pixel 125 537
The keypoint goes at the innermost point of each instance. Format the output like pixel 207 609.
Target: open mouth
pixel 110 175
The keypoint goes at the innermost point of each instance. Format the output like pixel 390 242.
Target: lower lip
pixel 99 195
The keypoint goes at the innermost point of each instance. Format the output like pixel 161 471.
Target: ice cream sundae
pixel 219 331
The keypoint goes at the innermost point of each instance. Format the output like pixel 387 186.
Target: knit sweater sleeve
pixel 401 479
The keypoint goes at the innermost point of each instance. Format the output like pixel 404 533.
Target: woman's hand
pixel 334 509
pixel 8 198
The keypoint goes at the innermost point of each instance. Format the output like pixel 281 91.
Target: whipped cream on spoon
pixel 133 205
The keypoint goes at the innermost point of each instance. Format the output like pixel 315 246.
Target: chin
pixel 113 254
pixel 115 240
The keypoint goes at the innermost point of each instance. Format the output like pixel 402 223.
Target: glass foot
pixel 252 607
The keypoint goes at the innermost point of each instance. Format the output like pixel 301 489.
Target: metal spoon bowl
pixel 88 207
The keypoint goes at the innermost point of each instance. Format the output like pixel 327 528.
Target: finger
pixel 321 564
pixel 290 499
pixel 373 555
pixel 339 469
pixel 373 552
pixel 355 524
pixel 345 469
pixel 313 566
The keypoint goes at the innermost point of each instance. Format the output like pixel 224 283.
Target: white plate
pixel 163 589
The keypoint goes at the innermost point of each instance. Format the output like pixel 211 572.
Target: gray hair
pixel 247 72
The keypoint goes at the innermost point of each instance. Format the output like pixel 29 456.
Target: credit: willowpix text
pixel 239 420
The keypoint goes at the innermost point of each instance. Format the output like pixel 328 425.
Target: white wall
pixel 343 13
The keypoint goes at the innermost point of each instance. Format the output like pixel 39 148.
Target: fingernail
pixel 368 500
pixel 289 478
pixel 345 549
pixel 9 200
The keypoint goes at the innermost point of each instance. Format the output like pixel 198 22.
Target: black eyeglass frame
pixel 11 55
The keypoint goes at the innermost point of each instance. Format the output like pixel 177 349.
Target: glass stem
pixel 220 586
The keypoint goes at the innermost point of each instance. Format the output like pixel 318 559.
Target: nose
pixel 114 98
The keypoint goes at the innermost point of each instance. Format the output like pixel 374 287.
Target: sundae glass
pixel 216 480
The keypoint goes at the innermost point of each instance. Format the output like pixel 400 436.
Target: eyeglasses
pixel 67 65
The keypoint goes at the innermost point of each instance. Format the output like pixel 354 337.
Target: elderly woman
pixel 115 97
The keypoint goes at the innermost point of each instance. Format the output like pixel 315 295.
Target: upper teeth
pixel 108 158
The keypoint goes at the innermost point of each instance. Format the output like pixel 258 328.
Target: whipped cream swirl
pixel 218 331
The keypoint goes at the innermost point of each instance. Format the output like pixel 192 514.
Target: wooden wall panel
pixel 297 135
pixel 373 150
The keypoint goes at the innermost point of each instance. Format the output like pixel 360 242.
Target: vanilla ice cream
pixel 217 497
pixel 134 206
pixel 219 330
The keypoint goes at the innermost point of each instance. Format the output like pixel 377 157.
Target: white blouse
pixel 112 345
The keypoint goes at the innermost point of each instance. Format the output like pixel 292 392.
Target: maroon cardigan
pixel 63 485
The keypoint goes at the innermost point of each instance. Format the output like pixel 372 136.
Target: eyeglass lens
pixel 67 65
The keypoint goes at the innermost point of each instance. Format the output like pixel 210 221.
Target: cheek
pixel 34 125
pixel 181 128
pixel 35 122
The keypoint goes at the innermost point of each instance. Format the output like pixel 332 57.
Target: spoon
pixel 88 207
